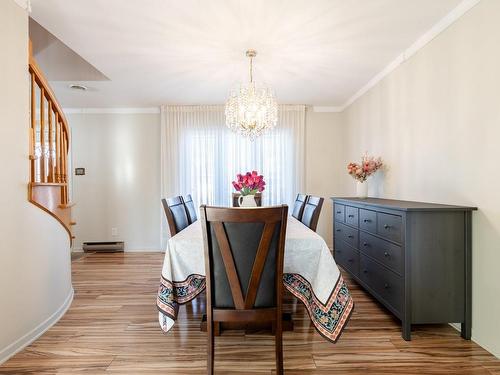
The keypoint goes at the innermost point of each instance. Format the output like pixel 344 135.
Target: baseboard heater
pixel 111 246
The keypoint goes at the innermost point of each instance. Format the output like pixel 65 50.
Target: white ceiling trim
pixel 111 110
pixel 23 4
pixel 421 42
pixel 321 108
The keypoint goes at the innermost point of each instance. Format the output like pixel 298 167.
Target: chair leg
pixel 279 345
pixel 210 346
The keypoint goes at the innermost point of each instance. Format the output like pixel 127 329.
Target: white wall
pixel 121 188
pixel 436 123
pixel 323 150
pixel 35 268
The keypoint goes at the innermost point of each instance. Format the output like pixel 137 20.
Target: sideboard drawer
pixel 347 234
pixel 387 253
pixel 351 216
pixel 389 226
pixel 386 284
pixel 368 220
pixel 339 212
pixel 347 257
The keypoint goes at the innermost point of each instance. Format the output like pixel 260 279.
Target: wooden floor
pixel 112 327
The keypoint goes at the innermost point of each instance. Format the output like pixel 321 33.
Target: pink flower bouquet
pixel 249 183
pixel 369 165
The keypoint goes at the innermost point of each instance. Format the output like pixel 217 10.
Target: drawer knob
pixel 350 236
pixel 386 254
pixel 386 286
pixel 350 260
pixel 365 244
pixel 338 230
pixel 367 220
pixel 386 226
pixel 365 271
pixel 339 212
pixel 350 215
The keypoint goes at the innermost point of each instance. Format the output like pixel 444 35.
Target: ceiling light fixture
pixel 251 109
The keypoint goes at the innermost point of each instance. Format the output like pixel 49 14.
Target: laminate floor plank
pixel 112 328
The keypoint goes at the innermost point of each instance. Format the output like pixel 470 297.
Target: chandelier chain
pixel 251 69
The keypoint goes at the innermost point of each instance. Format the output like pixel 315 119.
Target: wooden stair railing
pixel 49 146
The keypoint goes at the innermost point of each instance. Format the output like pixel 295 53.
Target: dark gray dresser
pixel 413 257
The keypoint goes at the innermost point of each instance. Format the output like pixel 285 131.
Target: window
pixel 202 156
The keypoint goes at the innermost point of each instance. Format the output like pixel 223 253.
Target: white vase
pixel 362 189
pixel 247 201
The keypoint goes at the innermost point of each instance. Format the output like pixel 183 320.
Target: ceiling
pixel 58 61
pixel 154 52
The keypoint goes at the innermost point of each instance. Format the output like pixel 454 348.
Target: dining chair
pixel 190 208
pixel 298 206
pixel 312 209
pixel 175 212
pixel 244 250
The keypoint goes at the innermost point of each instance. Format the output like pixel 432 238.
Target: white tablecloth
pixel 310 273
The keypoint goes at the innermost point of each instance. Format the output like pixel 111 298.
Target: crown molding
pixel 320 108
pixel 22 3
pixel 421 42
pixel 124 110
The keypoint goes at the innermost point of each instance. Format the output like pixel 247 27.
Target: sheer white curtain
pixel 201 156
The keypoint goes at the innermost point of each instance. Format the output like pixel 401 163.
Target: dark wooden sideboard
pixel 413 257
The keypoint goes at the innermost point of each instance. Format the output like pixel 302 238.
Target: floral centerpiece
pixel 248 185
pixel 360 172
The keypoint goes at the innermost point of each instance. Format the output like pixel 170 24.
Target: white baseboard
pixel 143 250
pixel 128 251
pixel 458 327
pixel 36 332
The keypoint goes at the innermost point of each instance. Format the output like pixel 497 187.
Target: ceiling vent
pixel 78 87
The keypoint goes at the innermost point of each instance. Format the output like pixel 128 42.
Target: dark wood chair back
pixel 258 199
pixel 175 212
pixel 312 209
pixel 190 208
pixel 244 252
pixel 298 206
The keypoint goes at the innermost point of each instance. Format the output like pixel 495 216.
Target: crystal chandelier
pixel 251 109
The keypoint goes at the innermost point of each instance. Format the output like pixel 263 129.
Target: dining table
pixel 309 273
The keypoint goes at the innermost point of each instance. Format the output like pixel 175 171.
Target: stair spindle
pixel 50 177
pixel 33 130
pixel 58 149
pixel 42 135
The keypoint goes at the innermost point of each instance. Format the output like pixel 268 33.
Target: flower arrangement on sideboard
pixel 360 172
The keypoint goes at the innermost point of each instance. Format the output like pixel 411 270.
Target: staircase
pixel 49 146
